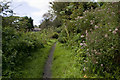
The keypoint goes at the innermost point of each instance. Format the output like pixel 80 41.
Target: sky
pixel 31 8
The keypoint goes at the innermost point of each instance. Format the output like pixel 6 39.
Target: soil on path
pixel 47 69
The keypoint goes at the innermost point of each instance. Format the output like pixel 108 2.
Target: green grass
pixel 64 63
pixel 35 65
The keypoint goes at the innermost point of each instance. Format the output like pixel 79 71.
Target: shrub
pixel 17 46
pixel 62 39
pixel 98 41
pixel 55 35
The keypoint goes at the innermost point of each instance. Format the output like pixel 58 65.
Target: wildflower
pixel 116 29
pixel 86 34
pixel 96 62
pixel 91 21
pixel 96 26
pixel 81 44
pixel 114 32
pixel 110 30
pixel 86 31
pixel 80 17
pixel 94 50
pixel 101 64
pixel 87 49
pixel 84 60
pixel 84 68
pixel 90 29
pixel 85 44
pixel 106 35
pixel 113 13
pixel 82 36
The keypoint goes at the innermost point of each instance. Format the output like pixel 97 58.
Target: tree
pixel 5 9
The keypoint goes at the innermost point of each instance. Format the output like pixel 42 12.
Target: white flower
pixel 86 31
pixel 82 36
pixel 81 44
pixel 114 32
pixel 101 64
pixel 86 34
pixel 106 35
pixel 84 68
pixel 116 29
pixel 110 30
pixel 90 29
pixel 96 26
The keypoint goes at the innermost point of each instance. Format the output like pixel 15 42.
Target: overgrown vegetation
pixel 34 66
pixel 21 45
pixel 88 37
pixel 91 31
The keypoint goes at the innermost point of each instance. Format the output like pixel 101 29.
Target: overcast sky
pixel 31 8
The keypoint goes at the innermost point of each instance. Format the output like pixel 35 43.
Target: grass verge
pixel 34 66
pixel 64 63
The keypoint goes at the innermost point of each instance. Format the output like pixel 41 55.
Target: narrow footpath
pixel 47 69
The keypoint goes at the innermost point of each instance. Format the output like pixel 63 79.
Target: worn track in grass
pixel 47 69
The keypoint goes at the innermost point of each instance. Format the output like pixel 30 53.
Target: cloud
pixel 33 8
pixel 37 16
pixel 36 3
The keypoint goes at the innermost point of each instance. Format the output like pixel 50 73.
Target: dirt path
pixel 47 69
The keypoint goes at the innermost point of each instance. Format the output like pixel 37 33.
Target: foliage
pixel 16 47
pixel 93 37
pixel 19 23
pixel 5 9
pixel 89 32
pixel 55 35
pixel 31 68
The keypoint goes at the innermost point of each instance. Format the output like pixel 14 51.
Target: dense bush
pixel 17 46
pixel 102 48
pixel 103 51
pixel 95 33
